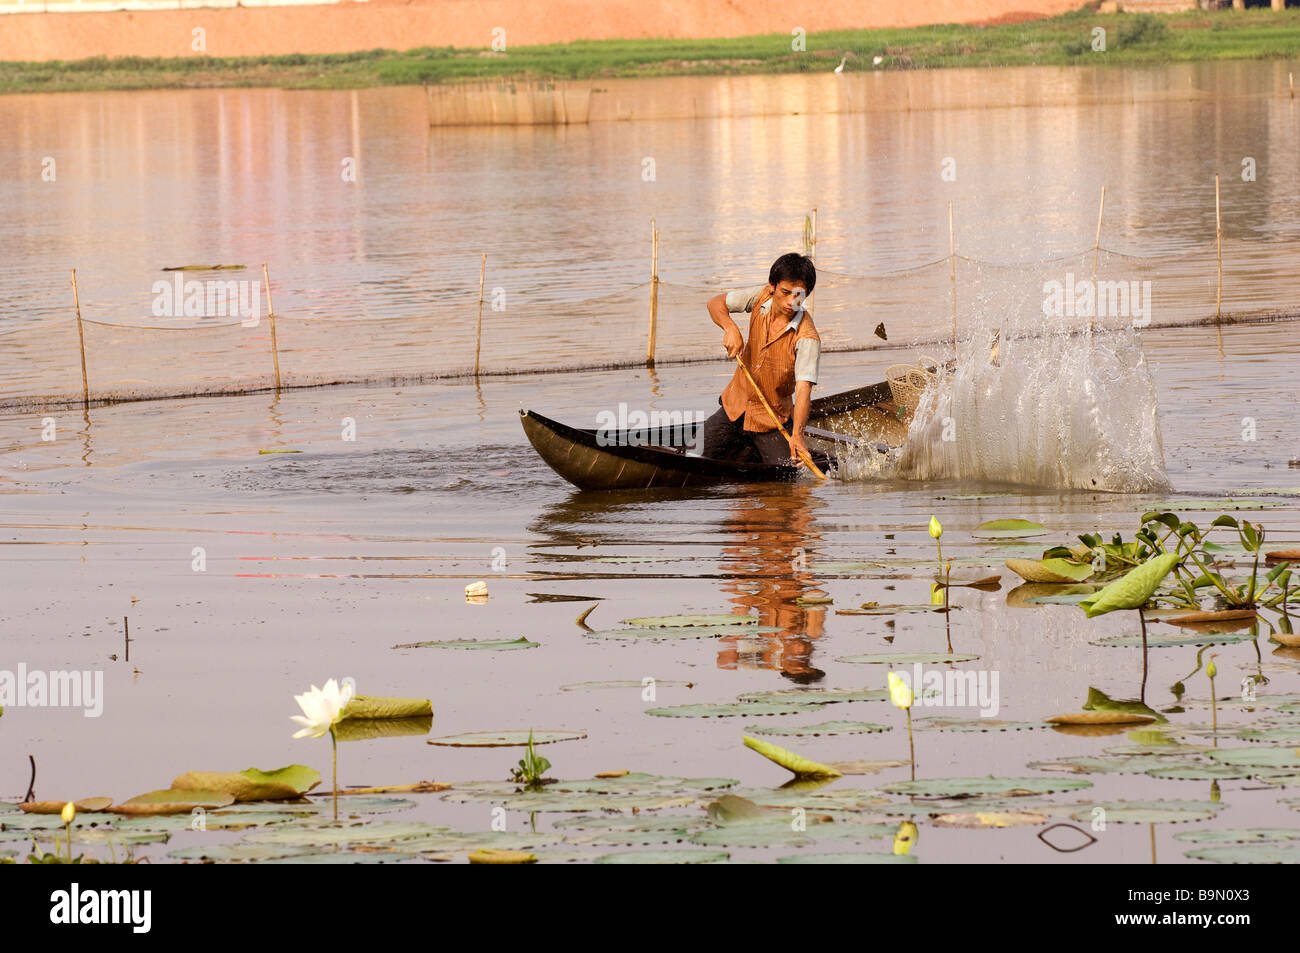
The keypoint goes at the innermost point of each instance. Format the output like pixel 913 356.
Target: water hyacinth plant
pixel 322 710
pixel 532 768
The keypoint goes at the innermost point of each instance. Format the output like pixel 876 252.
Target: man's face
pixel 788 298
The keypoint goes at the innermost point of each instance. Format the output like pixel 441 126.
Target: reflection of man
pixel 783 353
pixel 772 535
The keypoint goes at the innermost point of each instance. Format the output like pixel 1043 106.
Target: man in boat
pixel 783 354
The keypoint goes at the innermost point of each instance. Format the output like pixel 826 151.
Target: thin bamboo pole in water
pixel 1218 242
pixel 478 332
pixel 81 338
pixel 654 294
pixel 952 276
pixel 270 314
pixel 1096 253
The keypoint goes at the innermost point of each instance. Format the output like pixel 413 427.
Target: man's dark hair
pixel 793 267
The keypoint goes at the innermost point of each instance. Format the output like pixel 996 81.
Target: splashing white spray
pixel 1049 410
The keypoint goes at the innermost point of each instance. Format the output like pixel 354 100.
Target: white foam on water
pixel 1053 410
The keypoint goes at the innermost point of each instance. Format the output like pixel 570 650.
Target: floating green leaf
pixel 855 859
pixel 679 621
pixel 683 856
pixel 368 729
pixel 1247 854
pixel 1149 812
pixel 1133 589
pixel 1250 835
pixel 908 658
pixel 1050 570
pixel 374 706
pixel 985 787
pixel 817 696
pixel 1257 757
pixel 252 784
pixel 730 710
pixel 507 739
pixel 817 730
pixel 798 765
pixel 682 632
pixel 975 724
pixel 1174 641
pixel 492 645
pixel 1009 529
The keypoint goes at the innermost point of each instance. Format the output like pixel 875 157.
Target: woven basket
pixel 906 382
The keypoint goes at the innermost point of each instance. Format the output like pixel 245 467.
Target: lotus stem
pixel 67 830
pixel 1142 696
pixel 911 749
pixel 335 743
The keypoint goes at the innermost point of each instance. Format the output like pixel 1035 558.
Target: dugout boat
pixel 659 457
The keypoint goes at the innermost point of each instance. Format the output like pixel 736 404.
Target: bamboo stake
pixel 270 314
pixel 805 457
pixel 478 333
pixel 654 294
pixel 1291 82
pixel 1096 255
pixel 1218 242
pixel 952 275
pixel 81 337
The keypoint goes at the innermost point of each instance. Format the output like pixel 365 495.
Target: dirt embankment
pixel 403 24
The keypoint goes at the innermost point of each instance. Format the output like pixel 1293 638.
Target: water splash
pixel 1058 409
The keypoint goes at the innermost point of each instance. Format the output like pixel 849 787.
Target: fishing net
pixel 399 332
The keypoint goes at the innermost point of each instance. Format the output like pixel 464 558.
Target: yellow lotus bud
pixel 900 693
pixel 69 813
pixel 905 838
pixel 936 528
pixel 1212 670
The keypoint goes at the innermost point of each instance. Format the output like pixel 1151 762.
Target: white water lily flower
pixel 322 708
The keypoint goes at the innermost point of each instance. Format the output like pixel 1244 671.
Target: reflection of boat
pixel 623 460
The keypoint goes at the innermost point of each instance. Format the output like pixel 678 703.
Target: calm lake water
pixel 318 563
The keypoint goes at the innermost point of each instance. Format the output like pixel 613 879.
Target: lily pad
pixel 662 633
pixel 1248 835
pixel 1174 641
pixel 1050 570
pixel 1101 718
pixel 507 739
pixel 1201 505
pixel 906 658
pixel 669 856
pixel 172 802
pixel 374 706
pixel 778 831
pixel 985 787
pixel 1289 734
pixel 728 710
pixel 855 859
pixel 980 820
pixel 817 696
pixel 819 729
pixel 252 784
pixel 679 621
pixel 344 832
pixel 368 729
pixel 491 645
pixel 975 724
pixel 237 853
pixel 631 684
pixel 1009 529
pixel 546 802
pixel 1149 812
pixel 1257 757
pixel 1247 854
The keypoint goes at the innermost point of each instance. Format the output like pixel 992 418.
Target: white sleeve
pixel 744 300
pixel 807 359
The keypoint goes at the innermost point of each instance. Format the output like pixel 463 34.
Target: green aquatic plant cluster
pixel 532 768
pixel 1166 544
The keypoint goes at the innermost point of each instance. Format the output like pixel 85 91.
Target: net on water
pixel 404 334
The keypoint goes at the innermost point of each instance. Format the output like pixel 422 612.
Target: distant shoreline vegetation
pixel 1066 40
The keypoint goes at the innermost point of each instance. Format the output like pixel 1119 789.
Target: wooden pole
pixel 1096 254
pixel 1218 242
pixel 81 337
pixel 806 458
pixel 478 332
pixel 654 294
pixel 952 275
pixel 1291 82
pixel 270 314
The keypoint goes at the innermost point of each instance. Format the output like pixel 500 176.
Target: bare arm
pixel 802 407
pixel 731 338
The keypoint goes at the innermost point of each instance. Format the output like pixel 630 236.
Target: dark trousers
pixel 727 439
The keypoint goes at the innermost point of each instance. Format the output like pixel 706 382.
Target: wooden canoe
pixel 622 460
